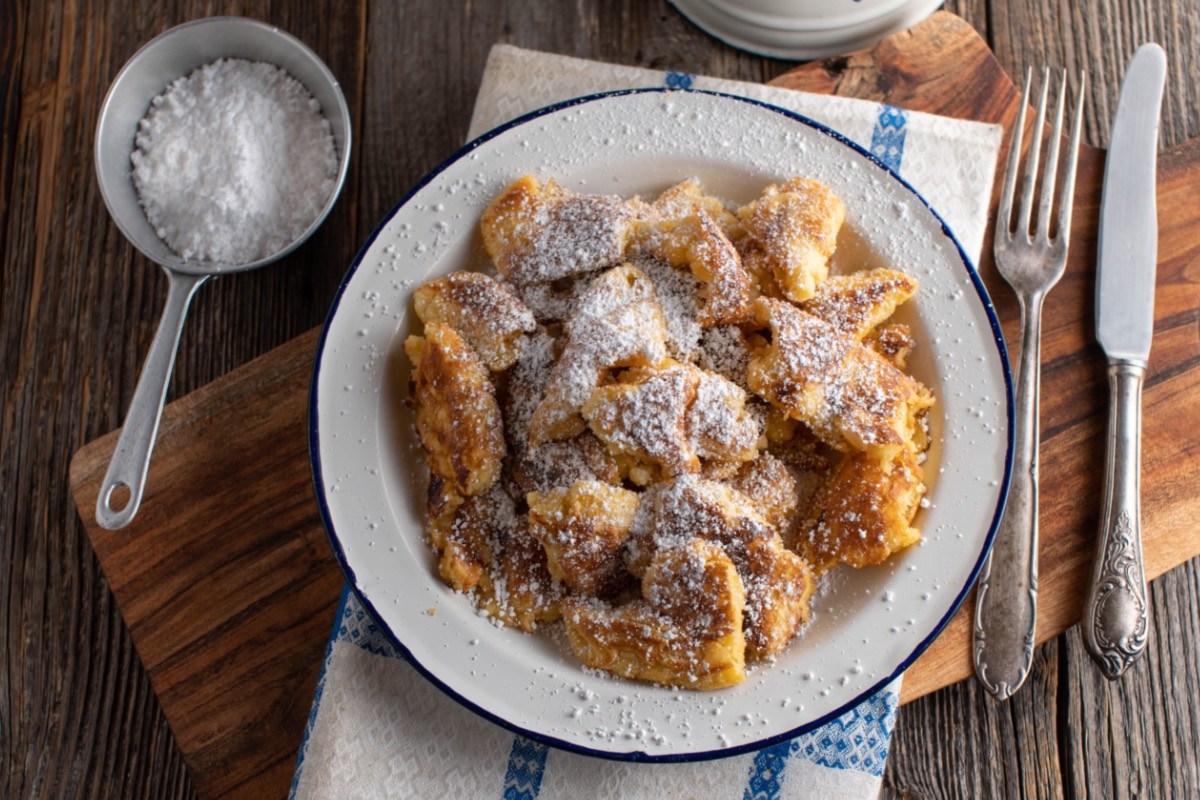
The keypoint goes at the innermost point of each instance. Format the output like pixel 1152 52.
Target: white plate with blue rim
pixel 868 625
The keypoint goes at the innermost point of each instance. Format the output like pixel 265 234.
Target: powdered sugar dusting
pixel 676 291
pixel 551 233
pixel 234 162
pixel 718 423
pixel 723 350
pixel 618 322
pixel 660 423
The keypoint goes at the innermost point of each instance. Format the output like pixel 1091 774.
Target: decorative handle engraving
pixel 1116 618
pixel 1006 595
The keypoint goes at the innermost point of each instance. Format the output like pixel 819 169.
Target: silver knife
pixel 1116 618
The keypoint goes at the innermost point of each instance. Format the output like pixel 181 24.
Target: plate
pixel 803 29
pixel 868 625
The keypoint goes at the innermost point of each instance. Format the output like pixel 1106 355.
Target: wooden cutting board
pixel 228 584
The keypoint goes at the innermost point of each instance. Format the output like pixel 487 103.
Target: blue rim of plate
pixel 640 756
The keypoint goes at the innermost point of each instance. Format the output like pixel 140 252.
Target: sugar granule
pixel 233 162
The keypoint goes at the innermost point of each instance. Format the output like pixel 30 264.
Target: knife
pixel 1116 618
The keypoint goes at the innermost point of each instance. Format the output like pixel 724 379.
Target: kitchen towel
pixel 378 729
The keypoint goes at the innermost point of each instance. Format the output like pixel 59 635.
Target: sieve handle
pixel 131 459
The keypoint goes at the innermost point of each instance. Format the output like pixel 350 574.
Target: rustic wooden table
pixel 78 308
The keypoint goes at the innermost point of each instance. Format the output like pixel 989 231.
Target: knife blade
pixel 1116 617
pixel 1128 243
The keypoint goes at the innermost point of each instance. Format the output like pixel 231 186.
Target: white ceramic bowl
pixel 804 29
pixel 868 624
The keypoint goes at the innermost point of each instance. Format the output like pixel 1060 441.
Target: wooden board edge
pixel 92 458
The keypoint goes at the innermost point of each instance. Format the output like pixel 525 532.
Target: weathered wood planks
pixel 77 310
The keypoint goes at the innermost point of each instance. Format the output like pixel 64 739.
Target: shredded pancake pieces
pixel 660 421
pixel 795 227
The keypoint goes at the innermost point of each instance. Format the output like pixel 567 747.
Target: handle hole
pixel 118 497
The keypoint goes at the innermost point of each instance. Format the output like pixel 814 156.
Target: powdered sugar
pixel 539 234
pixel 718 423
pixel 618 322
pixel 233 162
pixel 648 420
pixel 676 291
pixel 723 350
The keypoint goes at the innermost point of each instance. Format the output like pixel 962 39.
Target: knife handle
pixel 1006 594
pixel 1116 619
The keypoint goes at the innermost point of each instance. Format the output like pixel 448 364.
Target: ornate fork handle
pixel 1006 603
pixel 1116 619
pixel 1031 261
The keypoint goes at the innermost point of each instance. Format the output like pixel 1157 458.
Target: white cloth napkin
pixel 378 729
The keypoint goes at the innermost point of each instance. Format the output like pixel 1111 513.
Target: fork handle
pixel 1006 595
pixel 1116 618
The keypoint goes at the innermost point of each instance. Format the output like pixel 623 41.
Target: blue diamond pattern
pixel 526 764
pixel 680 80
pixel 358 627
pixel 887 138
pixel 857 740
pixel 766 773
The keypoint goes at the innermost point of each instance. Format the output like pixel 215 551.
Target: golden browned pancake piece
pixel 553 464
pixel 720 424
pixel 796 225
pixel 517 588
pixel 863 514
pixel 685 631
pixel 672 512
pixel 645 417
pixel 894 342
pixel 538 234
pixel 855 304
pixel 779 587
pixel 849 396
pixel 462 557
pixel 758 267
pixel 686 228
pixel 484 311
pixel 457 415
pixel 793 443
pixel 767 484
pixel 777 583
pixel 697 242
pixel 486 548
pixel 684 199
pixel 618 323
pixel 582 529
pixel 664 420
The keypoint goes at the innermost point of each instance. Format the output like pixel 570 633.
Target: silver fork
pixel 1031 263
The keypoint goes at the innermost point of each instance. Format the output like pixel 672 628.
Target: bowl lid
pixel 803 29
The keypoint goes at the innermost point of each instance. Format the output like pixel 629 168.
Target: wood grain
pixel 1074 401
pixel 956 743
pixel 206 430
pixel 78 307
pixel 231 609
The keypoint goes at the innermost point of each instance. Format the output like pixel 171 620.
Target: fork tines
pixel 1049 177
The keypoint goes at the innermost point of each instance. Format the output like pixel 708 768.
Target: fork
pixel 1031 263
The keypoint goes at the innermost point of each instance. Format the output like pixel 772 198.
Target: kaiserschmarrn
pixel 659 421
